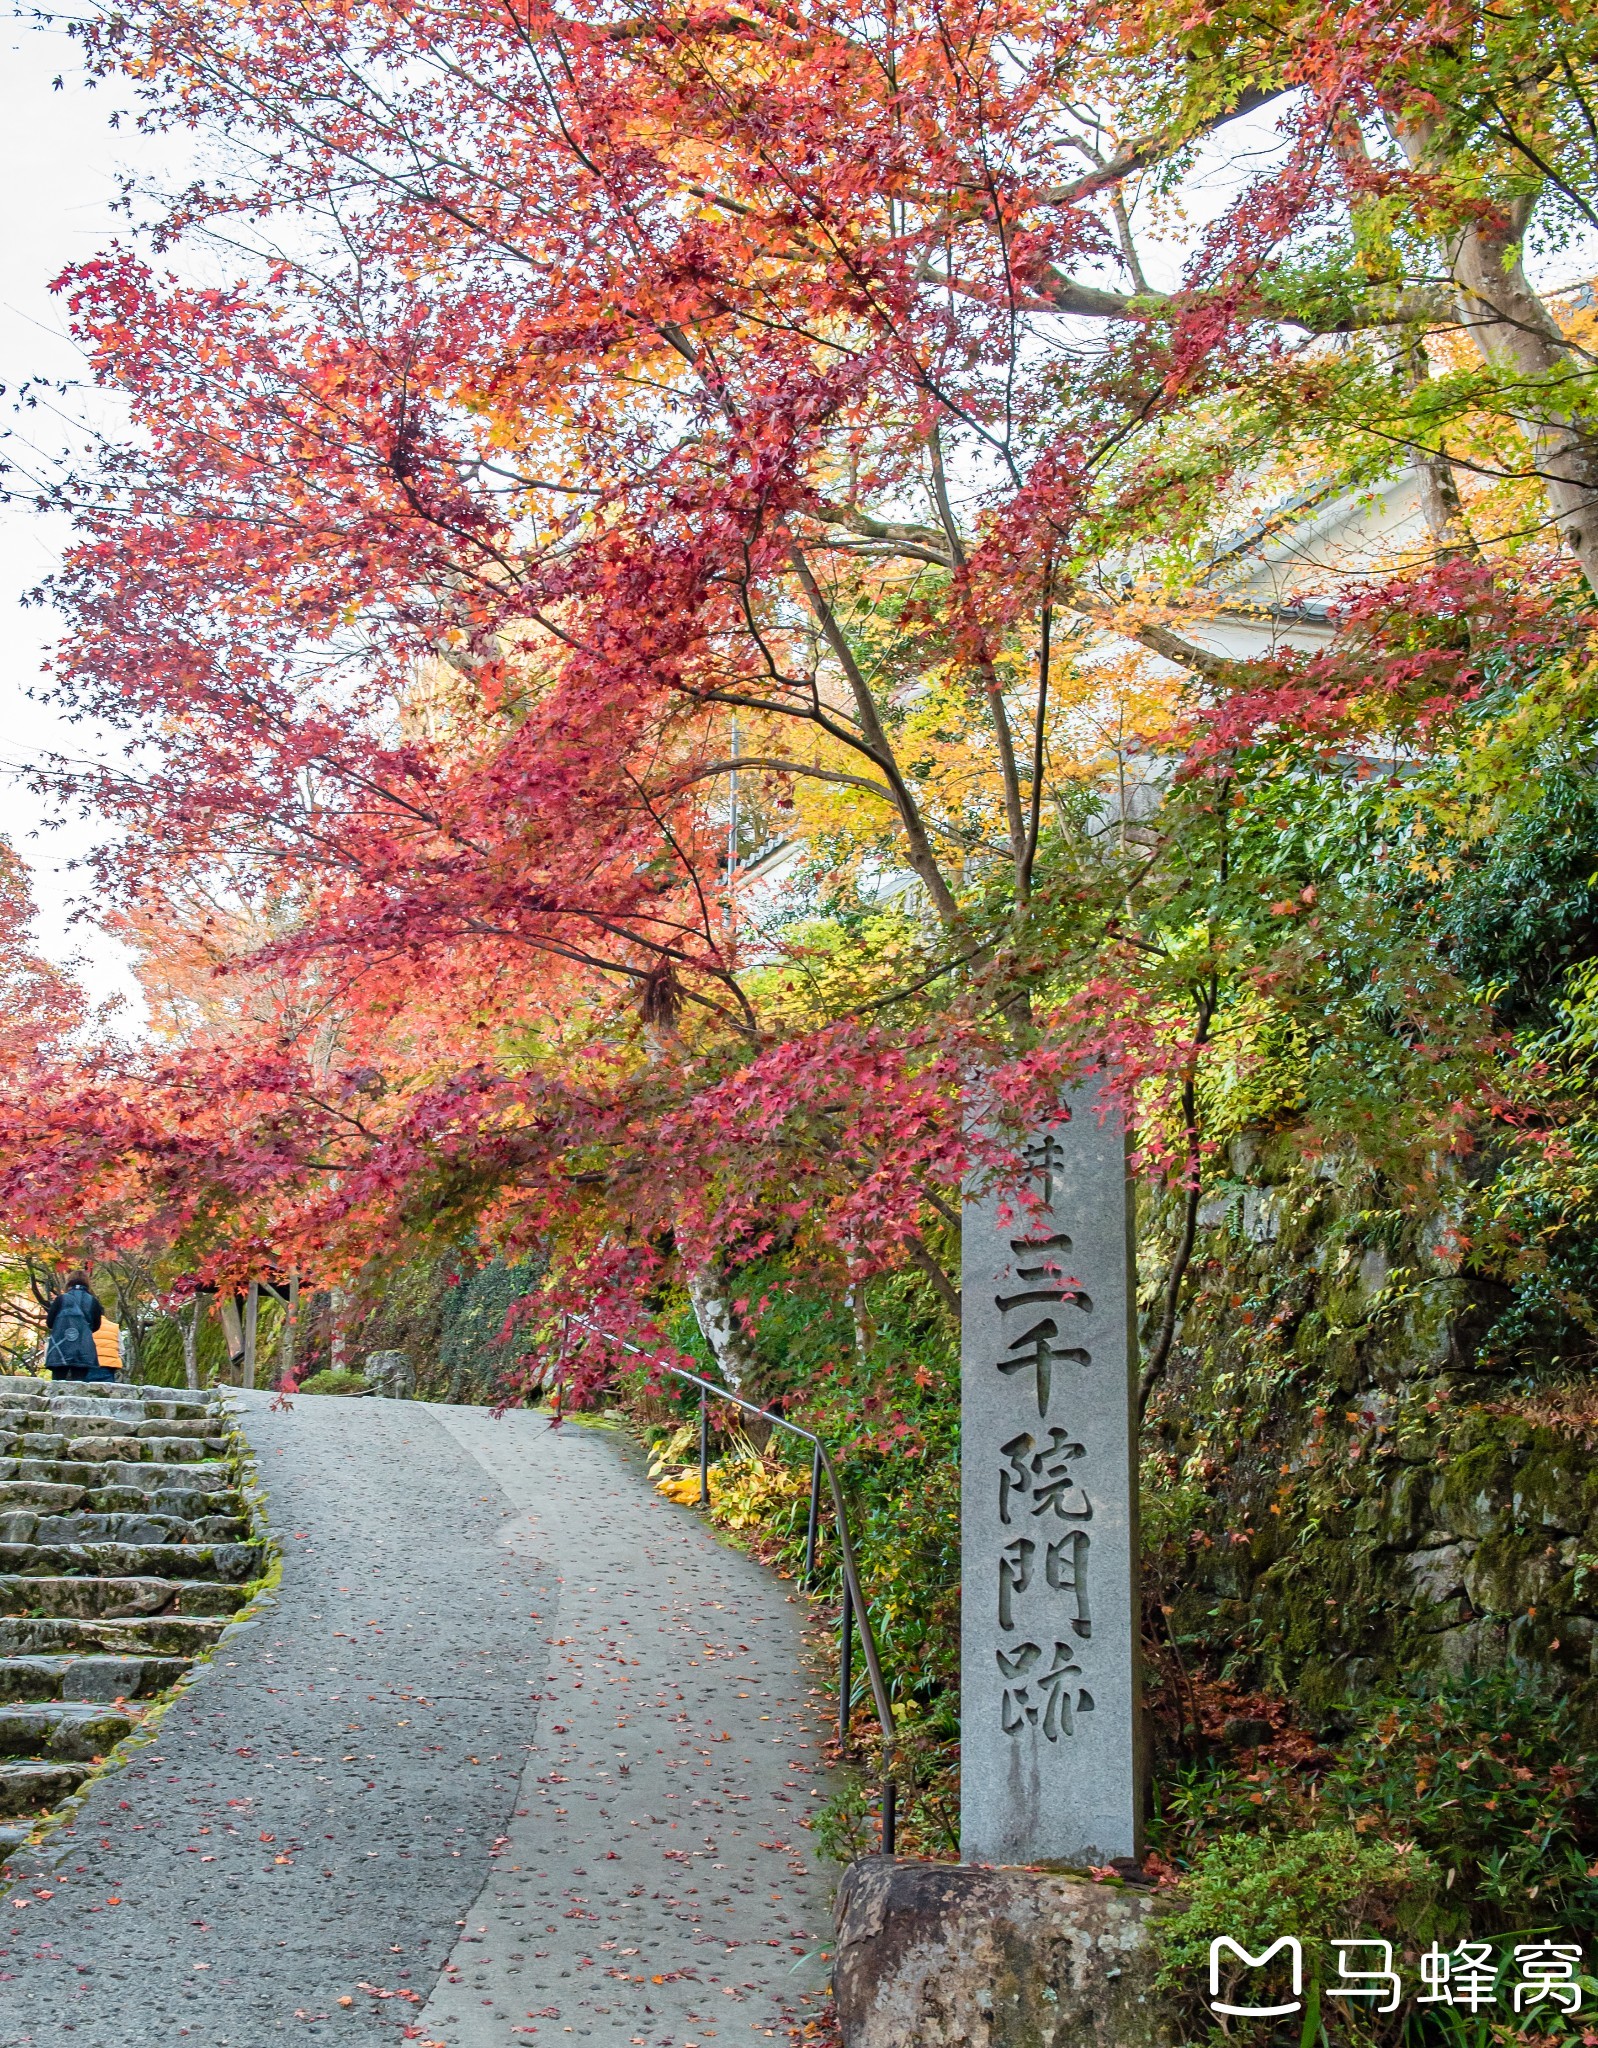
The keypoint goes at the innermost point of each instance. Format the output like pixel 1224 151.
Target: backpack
pixel 72 1340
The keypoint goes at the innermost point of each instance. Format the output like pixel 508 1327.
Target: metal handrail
pixel 855 1613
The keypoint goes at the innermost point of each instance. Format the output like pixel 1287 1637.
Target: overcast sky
pixel 59 162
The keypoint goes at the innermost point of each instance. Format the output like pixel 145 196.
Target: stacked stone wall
pixel 1341 1491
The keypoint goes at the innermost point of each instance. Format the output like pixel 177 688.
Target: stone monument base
pixel 391 1373
pixel 941 1955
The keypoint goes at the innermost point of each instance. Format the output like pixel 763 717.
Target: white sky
pixel 59 161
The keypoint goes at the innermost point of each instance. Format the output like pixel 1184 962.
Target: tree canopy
pixel 679 599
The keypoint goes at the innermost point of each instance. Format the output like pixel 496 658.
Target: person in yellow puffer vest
pixel 107 1352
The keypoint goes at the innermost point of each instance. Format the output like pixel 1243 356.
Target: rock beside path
pixel 391 1373
pixel 938 1955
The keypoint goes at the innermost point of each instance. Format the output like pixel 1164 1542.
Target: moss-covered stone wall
pixel 1339 1491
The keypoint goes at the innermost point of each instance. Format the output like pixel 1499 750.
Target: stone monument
pixel 391 1373
pixel 1051 1764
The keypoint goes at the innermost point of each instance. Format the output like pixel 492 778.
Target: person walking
pixel 72 1319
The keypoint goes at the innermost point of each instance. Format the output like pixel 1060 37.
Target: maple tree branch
pixel 1156 147
pixel 782 765
pixel 1158 639
pixel 719 21
pixel 690 868
pixel 942 1285
pixel 918 845
pixel 934 545
pixel 998 715
pixel 1208 1000
pixel 1039 718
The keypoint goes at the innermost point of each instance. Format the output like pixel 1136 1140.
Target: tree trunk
pixel 1518 335
pixel 227 1310
pixel 252 1324
pixel 720 1328
pixel 291 1317
pixel 337 1302
pixel 191 1344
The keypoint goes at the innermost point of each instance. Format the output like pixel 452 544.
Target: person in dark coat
pixel 72 1319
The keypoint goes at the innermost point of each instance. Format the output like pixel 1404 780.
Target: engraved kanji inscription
pixel 1013 1665
pixel 1015 1575
pixel 1050 1611
pixel 1036 1352
pixel 1065 1569
pixel 1042 1702
pixel 1037 1479
pixel 1043 1271
pixel 1045 1156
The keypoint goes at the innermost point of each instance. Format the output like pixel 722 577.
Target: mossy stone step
pixel 222 1526
pixel 155 1635
pixel 20 1525
pixel 63 1731
pixel 114 1445
pixel 83 1598
pixel 36 1788
pixel 147 1450
pixel 126 1527
pixel 84 1397
pixel 90 1677
pixel 230 1562
pixel 38 1493
pixel 91 1427
pixel 212 1475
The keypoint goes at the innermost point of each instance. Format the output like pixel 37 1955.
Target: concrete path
pixel 518 1754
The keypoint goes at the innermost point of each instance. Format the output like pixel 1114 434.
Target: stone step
pixel 146 1449
pixel 39 1493
pixel 33 1393
pixel 208 1474
pixel 25 1527
pixel 120 1445
pixel 229 1562
pixel 62 1422
pixel 63 1731
pixel 36 1788
pixel 155 1635
pixel 88 1418
pixel 28 1427
pixel 91 1677
pixel 135 1423
pixel 198 1506
pixel 124 1548
pixel 98 1479
pixel 83 1598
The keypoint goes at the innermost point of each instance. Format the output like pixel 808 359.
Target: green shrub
pixel 1317 1884
pixel 844 1827
pixel 333 1383
pixel 1488 1776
